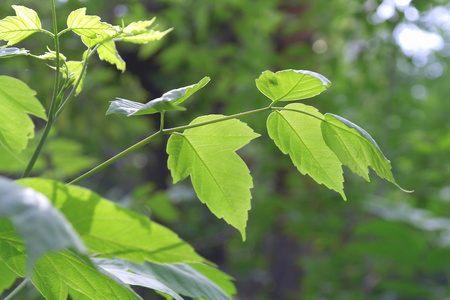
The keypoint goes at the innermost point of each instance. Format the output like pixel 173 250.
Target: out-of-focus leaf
pixel 89 26
pixel 16 101
pixel 296 131
pixel 288 85
pixel 42 226
pixel 15 29
pixel 111 230
pixel 10 52
pixel 220 178
pixel 167 102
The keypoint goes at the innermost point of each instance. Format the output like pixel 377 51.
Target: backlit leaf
pixel 220 178
pixel 288 85
pixel 355 148
pixel 15 29
pixel 108 52
pixel 89 26
pixel 139 33
pixel 167 102
pixel 16 101
pixel 42 226
pixel 111 230
pixel 296 131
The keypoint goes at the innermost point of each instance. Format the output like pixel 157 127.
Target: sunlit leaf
pixel 50 55
pixel 181 278
pixel 111 230
pixel 10 52
pixel 15 29
pixel 288 85
pixel 167 102
pixel 89 26
pixel 16 101
pixel 145 37
pixel 296 131
pixel 220 178
pixel 56 272
pixel 73 69
pixel 108 52
pixel 42 226
pixel 223 280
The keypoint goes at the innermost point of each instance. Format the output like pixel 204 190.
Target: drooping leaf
pixel 15 29
pixel 89 26
pixel 10 52
pixel 223 280
pixel 220 178
pixel 181 278
pixel 355 148
pixel 297 132
pixel 17 100
pixel 288 85
pixel 111 230
pixel 167 102
pixel 56 272
pixel 42 226
pixel 108 52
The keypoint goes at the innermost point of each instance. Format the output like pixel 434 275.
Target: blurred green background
pixel 388 63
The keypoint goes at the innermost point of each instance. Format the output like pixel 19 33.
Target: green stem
pixel 54 102
pixel 157 134
pixel 17 289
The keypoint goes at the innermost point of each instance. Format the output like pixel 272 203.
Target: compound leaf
pixel 55 273
pixel 181 278
pixel 42 226
pixel 17 100
pixel 111 230
pixel 15 29
pixel 355 148
pixel 220 178
pixel 167 102
pixel 296 131
pixel 89 26
pixel 288 85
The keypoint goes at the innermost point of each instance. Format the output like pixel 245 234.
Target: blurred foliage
pixel 303 241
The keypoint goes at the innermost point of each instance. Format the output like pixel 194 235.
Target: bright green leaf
pixel 288 85
pixel 220 178
pixel 355 148
pixel 73 69
pixel 145 37
pixel 167 102
pixel 17 100
pixel 50 55
pixel 108 52
pixel 42 226
pixel 15 29
pixel 56 272
pixel 111 230
pixel 296 131
pixel 89 26
pixel 10 52
pixel 181 278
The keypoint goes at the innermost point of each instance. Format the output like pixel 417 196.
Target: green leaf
pixel 50 55
pixel 56 272
pixel 167 102
pixel 108 52
pixel 355 148
pixel 89 26
pixel 111 230
pixel 73 69
pixel 288 85
pixel 181 278
pixel 10 52
pixel 15 29
pixel 224 281
pixel 42 226
pixel 296 131
pixel 220 178
pixel 139 33
pixel 17 100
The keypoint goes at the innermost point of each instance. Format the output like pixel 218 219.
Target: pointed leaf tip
pixel 290 85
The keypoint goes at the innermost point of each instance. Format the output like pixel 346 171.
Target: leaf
pixel 15 29
pixel 56 272
pixel 10 52
pixel 73 71
pixel 296 131
pixel 17 100
pixel 288 85
pixel 224 281
pixel 138 32
pixel 108 52
pixel 51 55
pixel 111 230
pixel 181 278
pixel 220 178
pixel 167 102
pixel 89 26
pixel 355 148
pixel 42 226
